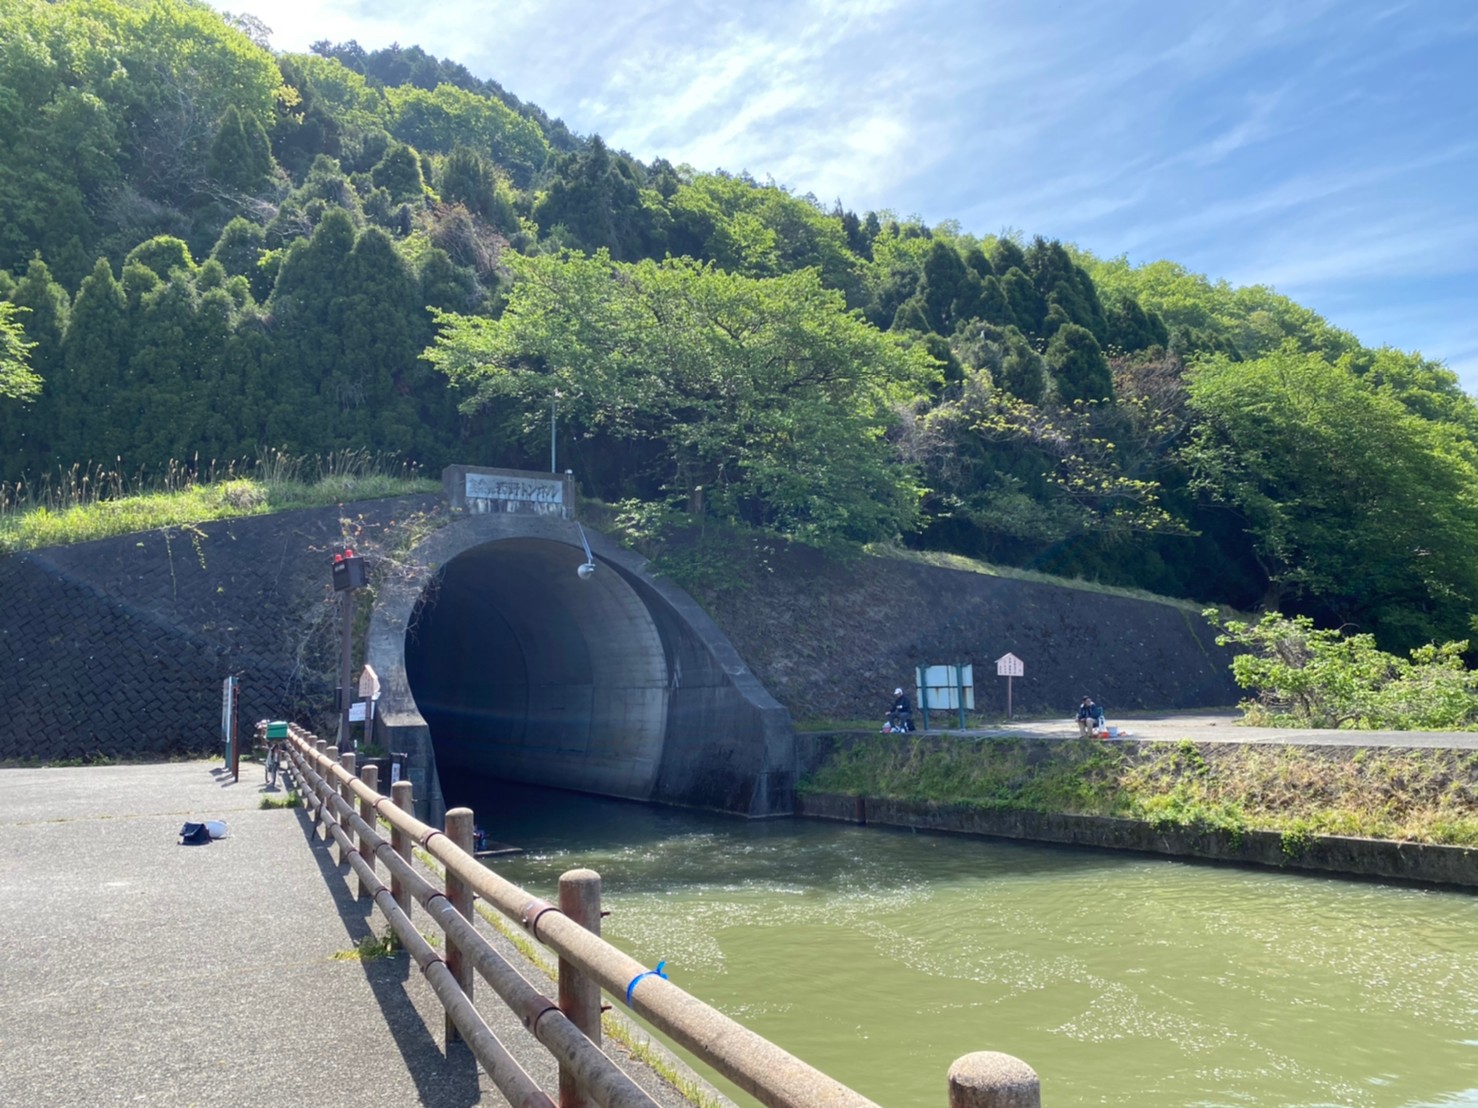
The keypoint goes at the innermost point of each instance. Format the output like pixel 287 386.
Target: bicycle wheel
pixel 272 768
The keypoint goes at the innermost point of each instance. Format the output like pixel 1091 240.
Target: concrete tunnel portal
pixel 500 656
pixel 526 670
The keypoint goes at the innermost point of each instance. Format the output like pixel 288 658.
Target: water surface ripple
pixel 881 956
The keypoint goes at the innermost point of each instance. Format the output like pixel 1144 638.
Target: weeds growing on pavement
pixel 369 948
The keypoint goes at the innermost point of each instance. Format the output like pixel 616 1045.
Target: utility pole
pixel 348 574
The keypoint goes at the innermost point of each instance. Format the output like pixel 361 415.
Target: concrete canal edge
pixel 1332 854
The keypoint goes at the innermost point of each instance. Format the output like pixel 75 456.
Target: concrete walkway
pixel 134 970
pixel 1221 726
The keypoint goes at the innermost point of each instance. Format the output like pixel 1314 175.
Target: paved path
pixel 1222 726
pixel 134 970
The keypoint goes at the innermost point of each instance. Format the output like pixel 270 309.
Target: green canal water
pixel 879 957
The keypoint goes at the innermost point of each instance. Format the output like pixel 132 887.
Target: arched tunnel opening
pixel 525 670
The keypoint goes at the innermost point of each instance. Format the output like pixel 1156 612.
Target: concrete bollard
pixel 459 830
pixel 370 775
pixel 989 1079
pixel 579 993
pixel 400 842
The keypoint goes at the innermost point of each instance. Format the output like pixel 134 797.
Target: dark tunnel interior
pixel 527 671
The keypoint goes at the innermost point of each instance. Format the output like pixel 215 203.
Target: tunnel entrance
pixel 502 652
pixel 525 670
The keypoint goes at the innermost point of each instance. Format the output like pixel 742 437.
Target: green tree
pixel 165 372
pixel 1078 366
pixel 446 117
pixel 765 393
pixel 304 125
pixel 1302 676
pixel 950 292
pixel 241 156
pixel 598 200
pixel 469 179
pixel 299 408
pixel 162 255
pixel 382 328
pixel 1028 308
pixel 95 350
pixel 399 174
pixel 1019 369
pixel 1365 512
pixel 31 434
pixel 240 247
pixel 17 380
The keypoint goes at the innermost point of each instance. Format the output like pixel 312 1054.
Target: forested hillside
pixel 208 249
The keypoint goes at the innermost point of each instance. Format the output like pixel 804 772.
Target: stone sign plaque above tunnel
pixel 477 491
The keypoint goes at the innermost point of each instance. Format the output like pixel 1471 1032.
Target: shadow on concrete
pixel 443 1079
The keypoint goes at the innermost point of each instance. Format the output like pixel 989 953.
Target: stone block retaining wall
pixel 119 647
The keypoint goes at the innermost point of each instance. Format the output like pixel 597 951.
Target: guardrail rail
pixel 569 1027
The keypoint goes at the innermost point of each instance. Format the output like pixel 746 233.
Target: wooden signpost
pixel 1009 666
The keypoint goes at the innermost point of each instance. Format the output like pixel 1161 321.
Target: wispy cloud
pixel 1321 146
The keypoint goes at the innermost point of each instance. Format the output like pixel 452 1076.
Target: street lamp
pixel 586 571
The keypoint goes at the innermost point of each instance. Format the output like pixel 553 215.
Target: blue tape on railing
pixel 649 973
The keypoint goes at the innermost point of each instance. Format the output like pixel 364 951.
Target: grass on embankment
pixel 1417 795
pixel 100 504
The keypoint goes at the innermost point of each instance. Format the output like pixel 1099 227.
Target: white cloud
pixel 1318 147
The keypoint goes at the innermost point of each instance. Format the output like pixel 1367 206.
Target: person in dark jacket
pixel 1090 716
pixel 901 715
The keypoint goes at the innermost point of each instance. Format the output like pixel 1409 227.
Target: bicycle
pixel 276 761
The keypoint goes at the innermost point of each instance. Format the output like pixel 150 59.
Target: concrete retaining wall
pixel 1445 865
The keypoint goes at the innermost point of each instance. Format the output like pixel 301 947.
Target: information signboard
pixel 1008 665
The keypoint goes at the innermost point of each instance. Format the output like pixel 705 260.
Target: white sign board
pixel 1009 665
pixel 356 712
pixel 532 490
pixel 369 683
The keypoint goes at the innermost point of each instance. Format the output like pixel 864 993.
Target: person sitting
pixel 901 717
pixel 1090 718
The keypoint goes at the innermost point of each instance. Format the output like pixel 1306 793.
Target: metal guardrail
pixel 569 1029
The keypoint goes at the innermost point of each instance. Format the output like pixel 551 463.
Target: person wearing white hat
pixel 901 717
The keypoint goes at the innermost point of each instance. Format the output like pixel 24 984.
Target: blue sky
pixel 1329 150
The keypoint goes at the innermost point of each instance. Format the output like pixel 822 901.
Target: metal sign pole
pixel 235 732
pixel 921 673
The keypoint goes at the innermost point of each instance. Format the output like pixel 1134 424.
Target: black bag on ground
pixel 193 834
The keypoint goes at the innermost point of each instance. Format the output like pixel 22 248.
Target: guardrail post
pixel 579 993
pixel 332 754
pixel 346 759
pixel 989 1079
pixel 315 813
pixel 400 842
pixel 370 775
pixel 459 830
